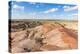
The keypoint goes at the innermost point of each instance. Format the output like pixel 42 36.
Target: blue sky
pixel 33 10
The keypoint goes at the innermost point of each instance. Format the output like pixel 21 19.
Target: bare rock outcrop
pixel 45 37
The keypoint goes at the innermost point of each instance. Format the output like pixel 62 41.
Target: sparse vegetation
pixel 30 36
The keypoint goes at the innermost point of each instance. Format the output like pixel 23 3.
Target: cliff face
pixel 44 37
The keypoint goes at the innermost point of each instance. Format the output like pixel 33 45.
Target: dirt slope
pixel 42 38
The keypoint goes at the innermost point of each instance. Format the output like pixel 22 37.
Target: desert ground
pixel 42 35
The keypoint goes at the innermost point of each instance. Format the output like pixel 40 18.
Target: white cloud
pixel 76 14
pixel 32 3
pixel 33 14
pixel 65 7
pixel 70 8
pixel 18 7
pixel 51 10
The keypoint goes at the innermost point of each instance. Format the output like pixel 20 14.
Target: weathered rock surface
pixel 45 37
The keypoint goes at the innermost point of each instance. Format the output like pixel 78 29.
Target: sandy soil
pixel 43 36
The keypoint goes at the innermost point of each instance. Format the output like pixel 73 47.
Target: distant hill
pixel 40 20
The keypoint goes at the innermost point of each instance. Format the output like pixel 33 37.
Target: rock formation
pixel 44 37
